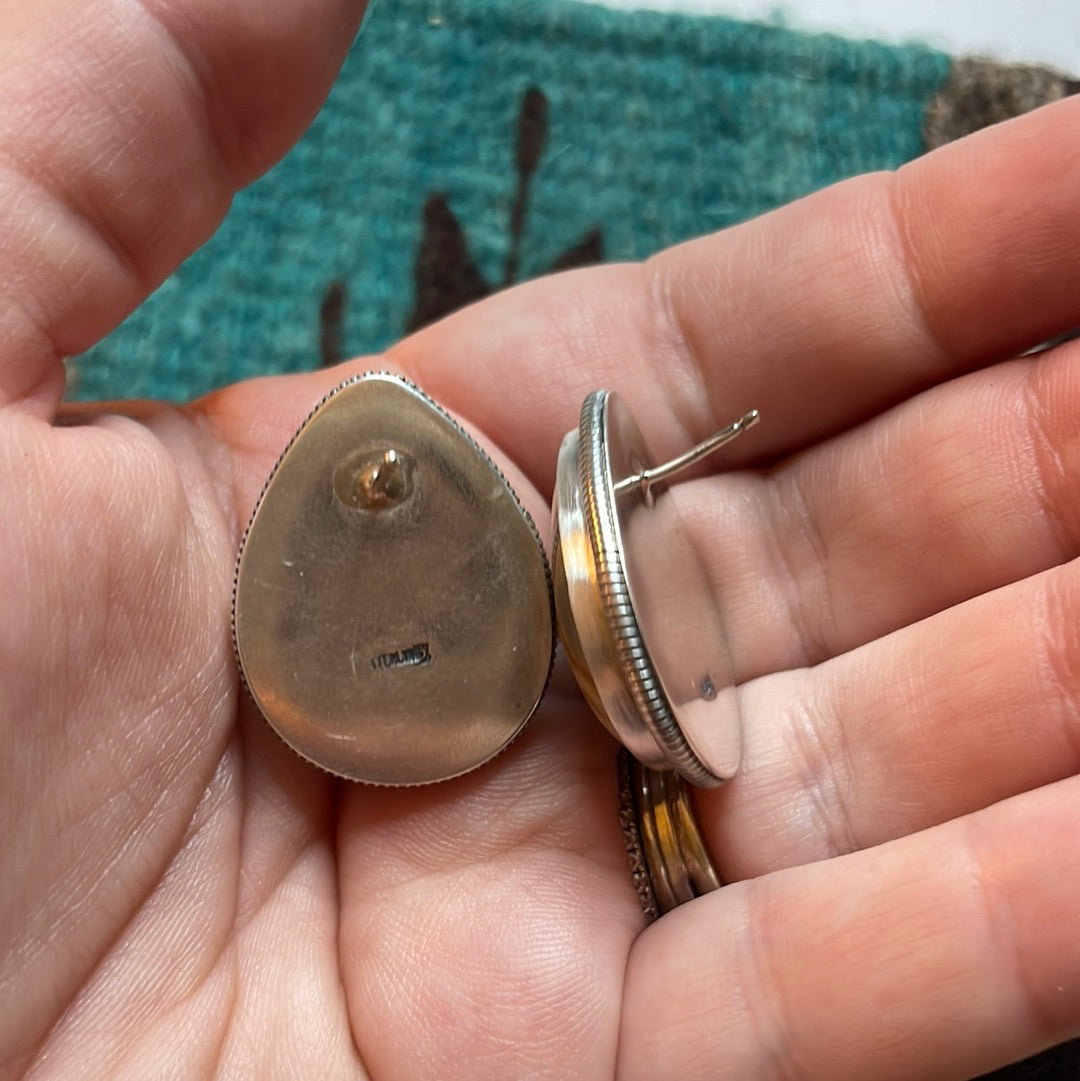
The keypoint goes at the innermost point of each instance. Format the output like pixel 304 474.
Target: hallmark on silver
pixel 413 657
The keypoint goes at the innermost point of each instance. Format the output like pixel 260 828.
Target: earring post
pixel 647 478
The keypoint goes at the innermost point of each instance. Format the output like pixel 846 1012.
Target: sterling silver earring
pixel 392 609
pixel 635 611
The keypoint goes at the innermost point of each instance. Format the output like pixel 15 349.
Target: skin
pixel 894 547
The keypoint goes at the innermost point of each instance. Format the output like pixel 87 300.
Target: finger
pixel 933 958
pixel 125 131
pixel 963 489
pixel 820 314
pixel 937 720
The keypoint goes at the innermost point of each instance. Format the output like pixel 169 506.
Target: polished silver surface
pixel 392 611
pixel 636 612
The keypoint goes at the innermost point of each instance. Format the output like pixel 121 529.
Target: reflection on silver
pixel 637 617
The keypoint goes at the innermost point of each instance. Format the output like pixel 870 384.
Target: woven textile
pixel 601 134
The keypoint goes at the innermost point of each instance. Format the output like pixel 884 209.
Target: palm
pixel 229 867
pixel 186 898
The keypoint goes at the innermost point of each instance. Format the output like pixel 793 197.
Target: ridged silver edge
pixel 638 672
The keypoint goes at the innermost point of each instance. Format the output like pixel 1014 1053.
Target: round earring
pixel 634 608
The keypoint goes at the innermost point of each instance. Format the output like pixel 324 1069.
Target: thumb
pixel 125 130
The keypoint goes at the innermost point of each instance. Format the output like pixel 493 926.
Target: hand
pixel 182 897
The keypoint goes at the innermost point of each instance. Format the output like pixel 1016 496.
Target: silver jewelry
pixel 392 607
pixel 635 611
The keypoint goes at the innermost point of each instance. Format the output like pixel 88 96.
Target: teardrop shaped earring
pixel 392 610
pixel 635 610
